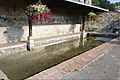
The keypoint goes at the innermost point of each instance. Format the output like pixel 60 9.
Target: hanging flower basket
pixel 38 12
pixel 91 14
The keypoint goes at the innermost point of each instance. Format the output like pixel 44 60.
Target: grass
pixel 23 65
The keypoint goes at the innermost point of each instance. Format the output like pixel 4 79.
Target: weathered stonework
pixel 18 33
pixel 9 17
pixel 105 22
pixel 39 43
pixel 55 40
pixel 13 49
pixel 14 25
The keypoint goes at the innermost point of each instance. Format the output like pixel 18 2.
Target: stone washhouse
pixel 67 18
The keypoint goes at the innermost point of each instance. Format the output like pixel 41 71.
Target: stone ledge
pixel 52 41
pixel 13 49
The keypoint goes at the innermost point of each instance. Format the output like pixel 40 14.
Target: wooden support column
pixel 83 22
pixel 83 34
pixel 30 27
pixel 30 41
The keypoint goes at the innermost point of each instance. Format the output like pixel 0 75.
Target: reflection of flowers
pixel 38 12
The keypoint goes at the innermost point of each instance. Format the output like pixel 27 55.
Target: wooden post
pixel 30 41
pixel 83 34
pixel 30 27
pixel 83 22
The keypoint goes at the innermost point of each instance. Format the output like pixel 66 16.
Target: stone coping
pixel 12 48
pixel 76 63
pixel 55 40
pixel 15 47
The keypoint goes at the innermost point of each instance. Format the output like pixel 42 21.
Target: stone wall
pixel 105 22
pixel 20 33
pixel 17 17
pixel 41 43
pixel 9 17
pixel 13 49
pixel 14 25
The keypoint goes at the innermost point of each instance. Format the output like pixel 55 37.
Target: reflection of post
pixel 83 34
pixel 30 41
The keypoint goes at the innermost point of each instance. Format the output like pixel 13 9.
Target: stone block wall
pixel 14 25
pixel 11 34
pixel 54 30
pixel 20 33
pixel 105 22
pixel 9 17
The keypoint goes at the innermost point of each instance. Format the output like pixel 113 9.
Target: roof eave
pixel 88 5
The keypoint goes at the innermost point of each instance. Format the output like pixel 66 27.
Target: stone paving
pixel 105 68
pixel 65 69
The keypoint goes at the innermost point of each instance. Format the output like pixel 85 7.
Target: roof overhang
pixel 68 5
pixel 74 6
pixel 88 5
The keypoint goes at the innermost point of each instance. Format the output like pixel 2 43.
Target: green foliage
pixel 117 4
pixel 95 2
pixel 104 4
pixel 112 8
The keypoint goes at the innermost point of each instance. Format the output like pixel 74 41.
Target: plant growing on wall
pixel 37 12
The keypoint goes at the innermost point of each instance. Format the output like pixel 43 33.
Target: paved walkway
pixel 75 68
pixel 107 68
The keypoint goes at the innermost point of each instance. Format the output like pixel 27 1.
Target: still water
pixel 25 64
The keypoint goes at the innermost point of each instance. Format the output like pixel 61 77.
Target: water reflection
pixel 75 44
pixel 23 65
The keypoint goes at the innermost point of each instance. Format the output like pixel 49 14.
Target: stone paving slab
pixel 76 63
pixel 107 67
